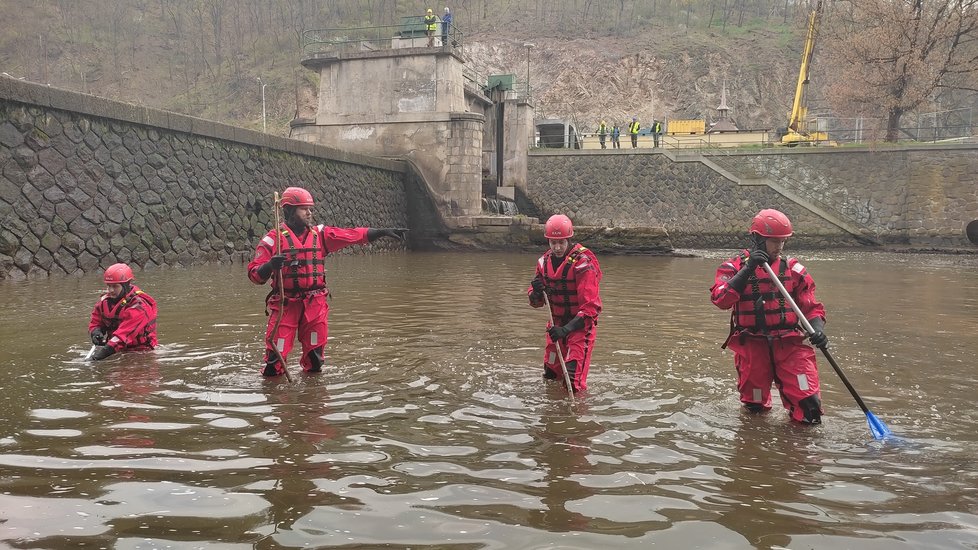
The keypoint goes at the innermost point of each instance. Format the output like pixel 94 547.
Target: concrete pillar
pixel 518 132
pixel 403 103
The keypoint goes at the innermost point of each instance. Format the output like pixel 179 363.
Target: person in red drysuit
pixel 304 247
pixel 765 335
pixel 124 319
pixel 571 277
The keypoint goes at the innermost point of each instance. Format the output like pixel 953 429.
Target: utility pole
pixel 528 47
pixel 264 128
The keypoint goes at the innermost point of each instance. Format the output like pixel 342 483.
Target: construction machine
pixel 797 131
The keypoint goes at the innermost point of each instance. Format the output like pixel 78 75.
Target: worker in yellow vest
pixel 633 129
pixel 430 25
pixel 656 132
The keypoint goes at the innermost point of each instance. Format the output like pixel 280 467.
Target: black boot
pixel 315 360
pixel 812 407
pixel 755 407
pixel 270 369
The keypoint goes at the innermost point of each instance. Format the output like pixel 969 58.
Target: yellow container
pixel 685 127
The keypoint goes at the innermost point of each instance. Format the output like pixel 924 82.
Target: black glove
pixel 102 352
pixel 557 333
pixel 392 232
pixel 757 257
pixel 273 264
pixel 817 337
pixel 539 287
pixel 98 336
pixel 276 262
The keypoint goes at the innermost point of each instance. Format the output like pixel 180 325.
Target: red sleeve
pixel 804 291
pixel 338 238
pixel 537 275
pixel 132 321
pixel 96 320
pixel 721 294
pixel 587 273
pixel 264 251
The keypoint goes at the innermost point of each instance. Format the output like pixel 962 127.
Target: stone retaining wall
pixel 88 182
pixel 920 197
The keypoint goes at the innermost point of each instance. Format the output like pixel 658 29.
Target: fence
pixel 411 33
pixel 942 126
pixel 947 125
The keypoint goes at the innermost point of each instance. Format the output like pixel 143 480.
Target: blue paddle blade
pixel 876 426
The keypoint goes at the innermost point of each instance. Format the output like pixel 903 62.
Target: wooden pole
pixel 281 292
pixel 560 354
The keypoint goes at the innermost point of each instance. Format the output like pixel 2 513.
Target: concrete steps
pixel 754 179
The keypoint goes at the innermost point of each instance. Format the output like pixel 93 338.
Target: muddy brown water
pixel 431 426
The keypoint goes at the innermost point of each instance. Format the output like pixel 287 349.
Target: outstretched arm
pixel 392 232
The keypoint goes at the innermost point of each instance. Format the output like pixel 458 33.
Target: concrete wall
pixel 88 182
pixel 518 133
pixel 408 103
pixel 921 197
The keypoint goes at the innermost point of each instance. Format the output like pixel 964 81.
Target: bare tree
pixel 886 58
pixel 215 10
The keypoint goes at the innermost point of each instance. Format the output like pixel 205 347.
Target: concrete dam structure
pixel 86 182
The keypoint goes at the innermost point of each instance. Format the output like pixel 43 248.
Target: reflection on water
pixel 431 426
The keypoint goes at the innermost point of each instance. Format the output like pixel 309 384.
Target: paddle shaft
pixel 560 355
pixel 809 330
pixel 281 291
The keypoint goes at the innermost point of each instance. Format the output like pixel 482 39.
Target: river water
pixel 432 428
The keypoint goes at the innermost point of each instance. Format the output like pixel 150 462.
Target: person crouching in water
pixel 124 319
pixel 304 247
pixel 765 336
pixel 571 277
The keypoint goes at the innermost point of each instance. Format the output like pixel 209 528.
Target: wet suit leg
pixel 284 338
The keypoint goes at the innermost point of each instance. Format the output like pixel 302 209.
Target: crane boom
pixel 797 131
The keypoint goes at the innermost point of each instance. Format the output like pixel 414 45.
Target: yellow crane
pixel 797 131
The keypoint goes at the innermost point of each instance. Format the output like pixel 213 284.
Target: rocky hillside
pixel 665 77
pixel 204 58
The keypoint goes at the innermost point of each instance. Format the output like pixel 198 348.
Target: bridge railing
pixel 411 33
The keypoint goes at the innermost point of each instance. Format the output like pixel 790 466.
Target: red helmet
pixel 771 223
pixel 117 274
pixel 559 226
pixel 296 196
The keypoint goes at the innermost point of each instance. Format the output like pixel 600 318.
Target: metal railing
pixel 932 127
pixel 951 126
pixel 409 34
pixel 813 191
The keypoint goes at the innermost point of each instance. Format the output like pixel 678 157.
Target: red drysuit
pixel 765 337
pixel 574 292
pixel 129 323
pixel 304 281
